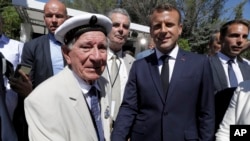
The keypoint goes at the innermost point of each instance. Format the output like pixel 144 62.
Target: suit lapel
pixel 179 68
pixel 218 71
pixel 105 75
pixel 155 75
pixel 244 68
pixel 128 61
pixel 78 101
pixel 47 55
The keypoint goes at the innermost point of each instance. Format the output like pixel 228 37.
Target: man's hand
pixel 21 85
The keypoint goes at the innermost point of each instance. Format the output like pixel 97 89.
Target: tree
pixel 200 17
pixel 139 10
pixel 4 3
pixel 238 9
pixel 11 19
pixel 93 6
pixel 183 43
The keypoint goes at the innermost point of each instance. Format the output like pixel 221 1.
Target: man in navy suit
pixel 185 111
pixel 7 132
pixel 233 39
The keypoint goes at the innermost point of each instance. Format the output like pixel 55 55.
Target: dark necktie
pixel 165 74
pixel 96 112
pixel 116 86
pixel 231 74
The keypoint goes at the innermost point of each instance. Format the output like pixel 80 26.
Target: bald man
pixel 44 53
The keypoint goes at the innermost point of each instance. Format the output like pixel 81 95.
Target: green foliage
pixel 140 10
pixel 201 17
pixel 238 10
pixel 100 6
pixel 246 54
pixel 11 19
pixel 4 3
pixel 198 16
pixel 199 37
pixel 94 6
pixel 183 43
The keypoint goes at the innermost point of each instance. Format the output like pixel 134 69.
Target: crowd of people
pixel 83 86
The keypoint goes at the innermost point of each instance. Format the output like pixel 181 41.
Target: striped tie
pixel 95 109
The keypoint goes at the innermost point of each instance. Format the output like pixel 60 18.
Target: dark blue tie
pixel 165 74
pixel 231 74
pixel 96 112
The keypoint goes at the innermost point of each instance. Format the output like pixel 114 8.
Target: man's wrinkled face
pixel 87 57
pixel 235 39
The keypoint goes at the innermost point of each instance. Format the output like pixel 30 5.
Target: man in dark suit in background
pixel 44 55
pixel 167 106
pixel 228 68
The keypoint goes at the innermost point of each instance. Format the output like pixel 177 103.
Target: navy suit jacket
pixel 6 128
pixel 188 111
pixel 37 54
pixel 7 131
pixel 219 76
pixel 223 93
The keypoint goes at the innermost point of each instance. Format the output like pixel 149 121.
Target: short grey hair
pixel 212 36
pixel 120 11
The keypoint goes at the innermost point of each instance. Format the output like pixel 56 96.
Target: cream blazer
pixel 238 111
pixel 57 111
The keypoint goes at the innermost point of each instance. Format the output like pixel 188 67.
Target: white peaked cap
pixel 77 25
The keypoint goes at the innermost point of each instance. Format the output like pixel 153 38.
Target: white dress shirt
pixel 85 87
pixel 171 62
pixel 238 111
pixel 122 69
pixel 224 59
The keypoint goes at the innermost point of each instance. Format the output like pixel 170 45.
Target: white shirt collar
pixel 111 53
pixel 172 54
pixel 224 59
pixel 85 87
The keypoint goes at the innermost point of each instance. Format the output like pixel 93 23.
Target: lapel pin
pixel 107 113
pixel 183 59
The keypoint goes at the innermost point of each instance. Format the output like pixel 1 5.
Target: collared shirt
pixel 56 54
pixel 172 60
pixel 224 59
pixel 122 69
pixel 85 87
pixel 12 50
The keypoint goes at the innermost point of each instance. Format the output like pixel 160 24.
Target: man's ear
pixel 65 51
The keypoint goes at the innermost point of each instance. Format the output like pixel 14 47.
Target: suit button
pixel 165 113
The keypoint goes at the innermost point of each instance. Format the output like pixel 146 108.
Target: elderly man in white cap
pixel 72 105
